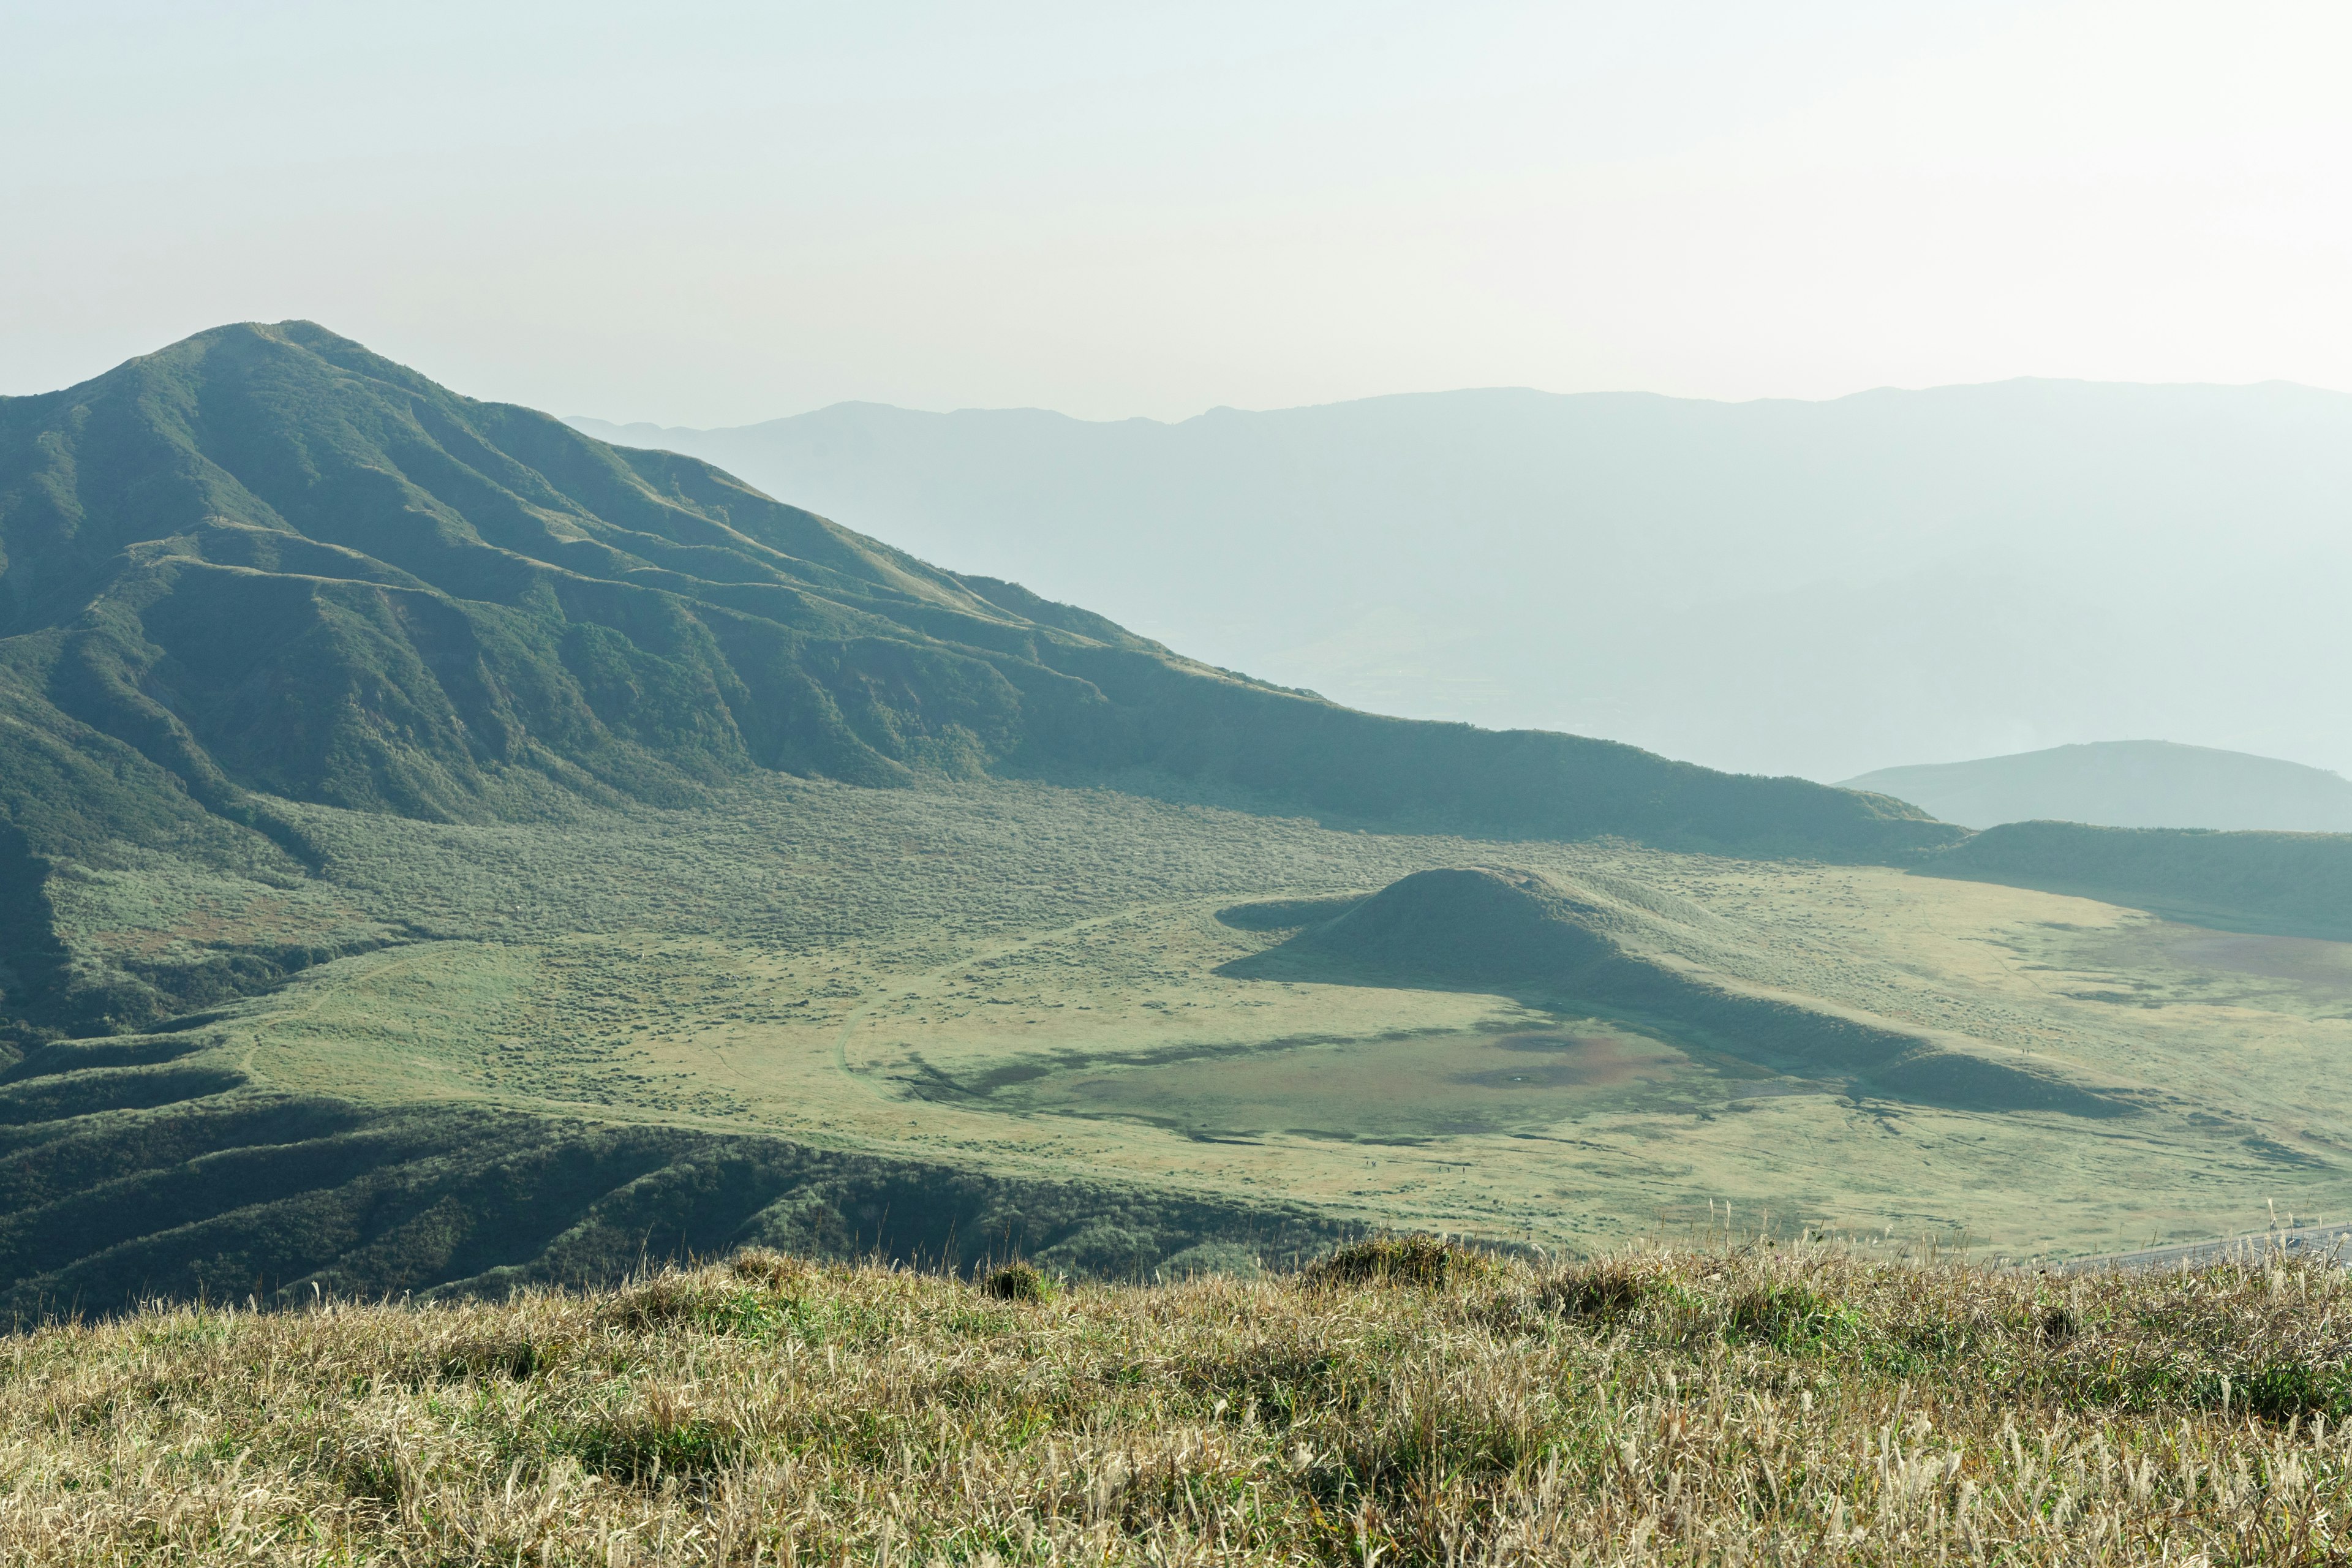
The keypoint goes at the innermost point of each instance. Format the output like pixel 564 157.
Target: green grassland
pixel 1046 984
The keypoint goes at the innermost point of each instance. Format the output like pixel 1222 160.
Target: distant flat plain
pixel 1026 978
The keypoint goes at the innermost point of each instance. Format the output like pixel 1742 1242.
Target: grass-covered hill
pixel 264 569
pixel 1401 1403
pixel 267 559
pixel 1621 947
pixel 136 1182
pixel 439 851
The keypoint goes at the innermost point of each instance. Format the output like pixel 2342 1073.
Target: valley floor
pixel 1040 982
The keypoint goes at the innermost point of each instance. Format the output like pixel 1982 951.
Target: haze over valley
pixel 1821 589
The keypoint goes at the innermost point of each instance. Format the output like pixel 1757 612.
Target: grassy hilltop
pixel 1401 1402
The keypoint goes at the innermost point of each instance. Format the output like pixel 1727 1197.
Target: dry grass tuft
pixel 777 1271
pixel 1770 1405
pixel 1417 1261
pixel 1019 1282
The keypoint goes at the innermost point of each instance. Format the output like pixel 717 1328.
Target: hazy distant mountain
pixel 1774 586
pixel 2127 783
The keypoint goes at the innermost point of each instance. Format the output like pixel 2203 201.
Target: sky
pixel 715 214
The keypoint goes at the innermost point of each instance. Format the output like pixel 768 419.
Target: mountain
pixel 265 564
pixel 265 594
pixel 1774 586
pixel 2127 783
pixel 2287 884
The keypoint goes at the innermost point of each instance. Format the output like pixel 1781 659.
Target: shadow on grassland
pixel 123 1181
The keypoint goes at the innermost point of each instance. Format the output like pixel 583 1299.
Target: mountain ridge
pixel 612 430
pixel 1489 555
pixel 266 563
pixel 2125 783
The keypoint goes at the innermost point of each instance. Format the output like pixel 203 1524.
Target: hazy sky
pixel 715 214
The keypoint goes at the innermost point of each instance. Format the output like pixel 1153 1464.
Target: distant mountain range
pixel 2127 783
pixel 1773 586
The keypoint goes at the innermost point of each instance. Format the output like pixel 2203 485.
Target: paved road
pixel 2304 1241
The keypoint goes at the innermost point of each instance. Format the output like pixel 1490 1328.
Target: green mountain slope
pixel 307 664
pixel 264 563
pixel 2127 783
pixel 119 1182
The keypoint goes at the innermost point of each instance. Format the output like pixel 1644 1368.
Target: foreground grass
pixel 1404 1402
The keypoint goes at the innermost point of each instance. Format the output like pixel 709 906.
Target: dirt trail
pixel 925 979
pixel 2303 1241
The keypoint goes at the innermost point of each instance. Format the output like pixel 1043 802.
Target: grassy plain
pixel 1400 1403
pixel 1038 981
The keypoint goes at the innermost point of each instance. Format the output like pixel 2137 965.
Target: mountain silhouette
pixel 264 562
pixel 2127 783
pixel 1699 578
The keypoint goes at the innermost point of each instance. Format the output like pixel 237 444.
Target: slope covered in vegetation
pixel 1399 1401
pixel 264 563
pixel 2290 884
pixel 122 1183
pixel 264 567
pixel 437 849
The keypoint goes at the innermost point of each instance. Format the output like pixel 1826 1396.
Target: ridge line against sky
pixel 706 214
pixel 582 419
pixel 1819 588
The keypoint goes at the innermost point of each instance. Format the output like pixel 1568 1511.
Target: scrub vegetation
pixel 1403 1402
pixel 1120 1035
